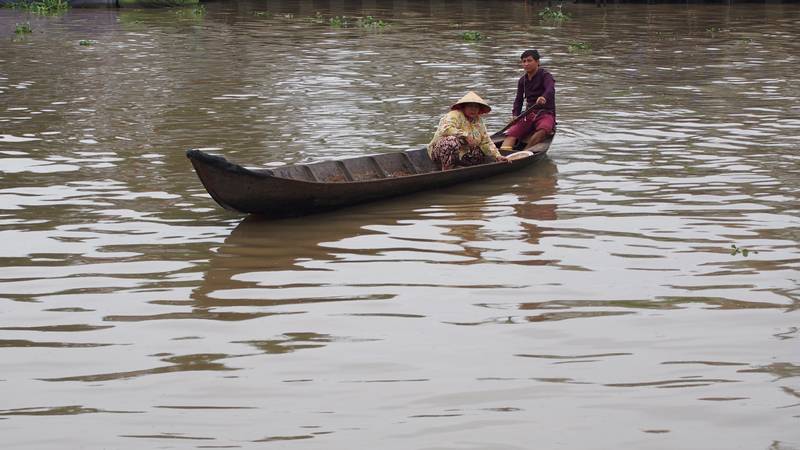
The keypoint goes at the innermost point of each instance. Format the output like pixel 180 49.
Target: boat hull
pixel 271 194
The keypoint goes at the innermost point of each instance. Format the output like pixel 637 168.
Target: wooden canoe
pixel 308 188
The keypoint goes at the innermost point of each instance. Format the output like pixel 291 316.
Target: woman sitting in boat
pixel 461 138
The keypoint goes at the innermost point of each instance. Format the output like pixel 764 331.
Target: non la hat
pixel 472 97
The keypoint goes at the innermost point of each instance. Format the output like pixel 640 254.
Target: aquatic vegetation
pixel 575 47
pixel 317 18
pixel 339 22
pixel 23 28
pixel 366 22
pixel 196 12
pixel 745 41
pixel 262 14
pixel 472 36
pixel 86 42
pixel 371 22
pixel 665 35
pixel 737 250
pixel 43 7
pixel 553 15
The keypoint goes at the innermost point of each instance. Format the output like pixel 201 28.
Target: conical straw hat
pixel 472 97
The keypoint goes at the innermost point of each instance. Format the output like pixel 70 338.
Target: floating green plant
pixel 317 18
pixel 262 14
pixel 366 22
pixel 575 46
pixel 23 28
pixel 553 15
pixel 737 250
pixel 196 12
pixel 339 22
pixel 43 7
pixel 371 22
pixel 86 42
pixel 472 36
pixel 745 41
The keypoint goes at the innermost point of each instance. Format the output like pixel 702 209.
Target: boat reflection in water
pixel 376 251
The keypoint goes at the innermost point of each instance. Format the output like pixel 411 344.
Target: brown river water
pixel 592 301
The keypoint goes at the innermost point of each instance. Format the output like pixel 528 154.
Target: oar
pixel 516 119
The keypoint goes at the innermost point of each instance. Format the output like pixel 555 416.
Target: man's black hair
pixel 533 53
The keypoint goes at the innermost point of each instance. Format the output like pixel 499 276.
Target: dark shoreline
pixel 543 3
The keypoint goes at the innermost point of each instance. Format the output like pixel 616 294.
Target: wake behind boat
pixel 300 189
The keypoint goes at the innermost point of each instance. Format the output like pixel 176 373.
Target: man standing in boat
pixel 538 88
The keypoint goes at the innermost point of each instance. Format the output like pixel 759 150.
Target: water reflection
pixel 290 342
pixel 182 363
pixel 27 343
pixel 272 263
pixel 58 411
pixel 605 286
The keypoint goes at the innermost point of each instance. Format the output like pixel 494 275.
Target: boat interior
pixel 374 167
pixel 365 168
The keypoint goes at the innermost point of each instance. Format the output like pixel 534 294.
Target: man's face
pixel 529 64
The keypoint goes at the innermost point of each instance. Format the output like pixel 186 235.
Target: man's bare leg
pixel 508 143
pixel 536 138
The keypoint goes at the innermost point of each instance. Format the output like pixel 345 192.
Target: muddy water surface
pixel 590 302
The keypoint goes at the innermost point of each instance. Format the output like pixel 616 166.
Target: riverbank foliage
pixel 42 7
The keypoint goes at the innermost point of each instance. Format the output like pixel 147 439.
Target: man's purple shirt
pixel 542 84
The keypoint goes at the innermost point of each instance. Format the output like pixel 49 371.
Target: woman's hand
pixel 541 101
pixel 470 141
pixel 502 158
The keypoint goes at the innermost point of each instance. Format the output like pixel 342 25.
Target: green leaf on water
pixel 579 47
pixel 472 36
pixel 554 15
pixel 23 28
pixel 745 252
